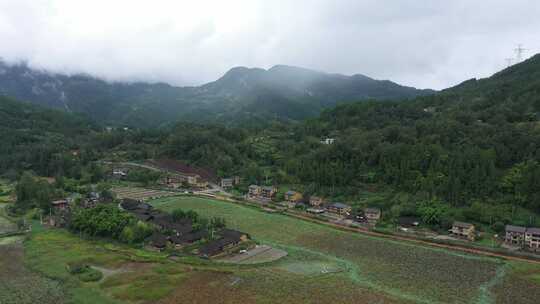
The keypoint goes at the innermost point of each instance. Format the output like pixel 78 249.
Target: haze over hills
pixel 282 92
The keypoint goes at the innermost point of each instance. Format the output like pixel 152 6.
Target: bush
pixel 91 275
pixel 77 268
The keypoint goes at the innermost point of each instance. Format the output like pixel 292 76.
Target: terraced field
pixel 399 270
pixel 140 193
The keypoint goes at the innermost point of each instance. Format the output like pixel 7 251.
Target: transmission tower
pixel 519 52
pixel 508 61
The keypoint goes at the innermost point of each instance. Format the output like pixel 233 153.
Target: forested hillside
pixel 241 95
pixel 474 147
pixel 38 139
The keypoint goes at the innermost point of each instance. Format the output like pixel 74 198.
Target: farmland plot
pixel 19 285
pixel 141 193
pixel 410 272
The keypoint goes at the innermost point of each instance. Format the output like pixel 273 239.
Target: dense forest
pixel 474 147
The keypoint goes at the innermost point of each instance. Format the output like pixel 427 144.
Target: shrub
pixel 91 275
pixel 77 268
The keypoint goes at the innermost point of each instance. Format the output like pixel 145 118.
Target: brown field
pixel 141 193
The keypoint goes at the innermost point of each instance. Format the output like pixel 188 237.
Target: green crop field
pixel 399 270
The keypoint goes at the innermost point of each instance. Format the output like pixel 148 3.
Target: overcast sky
pixel 426 44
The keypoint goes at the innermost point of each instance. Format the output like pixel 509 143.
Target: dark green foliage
pixel 103 220
pixel 37 139
pixel 32 192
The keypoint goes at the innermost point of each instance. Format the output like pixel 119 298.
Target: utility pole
pixel 519 52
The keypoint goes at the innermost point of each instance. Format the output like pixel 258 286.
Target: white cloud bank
pixel 431 44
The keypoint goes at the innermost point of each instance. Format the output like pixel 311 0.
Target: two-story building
pixel 254 191
pixel 463 230
pixel 339 208
pixel 532 238
pixel 229 182
pixel 268 192
pixel 372 214
pixel 515 235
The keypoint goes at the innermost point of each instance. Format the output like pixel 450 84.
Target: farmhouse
pixel 268 192
pixel 316 201
pixel 60 205
pixel 327 141
pixel 229 239
pixel 515 235
pixel 227 183
pixel 339 208
pixel 180 172
pixel 463 230
pixel 120 173
pixel 372 214
pixel 189 238
pixel 177 180
pixel 158 241
pixel 532 238
pixel 293 196
pixel 254 190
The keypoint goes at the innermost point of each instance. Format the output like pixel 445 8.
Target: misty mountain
pixel 282 92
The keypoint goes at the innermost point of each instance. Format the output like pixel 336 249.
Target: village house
pixel 178 180
pixel 60 205
pixel 228 240
pixel 372 214
pixel 268 192
pixel 293 196
pixel 120 173
pixel 532 238
pixel 227 183
pixel 158 241
pixel 254 190
pixel 339 208
pixel 463 230
pixel 181 240
pixel 515 235
pixel 328 141
pixel 316 201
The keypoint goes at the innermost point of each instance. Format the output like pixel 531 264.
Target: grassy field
pixel 323 266
pixel 144 277
pixel 408 272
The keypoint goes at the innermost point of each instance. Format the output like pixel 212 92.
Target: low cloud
pixel 435 44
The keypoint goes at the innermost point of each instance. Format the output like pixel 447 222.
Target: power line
pixel 519 52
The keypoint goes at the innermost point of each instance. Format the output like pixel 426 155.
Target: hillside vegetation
pixel 242 94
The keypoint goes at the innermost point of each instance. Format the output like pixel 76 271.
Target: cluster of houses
pixel 180 233
pixel 180 180
pixel 61 208
pixel 523 237
pixel 317 205
pixel 179 174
